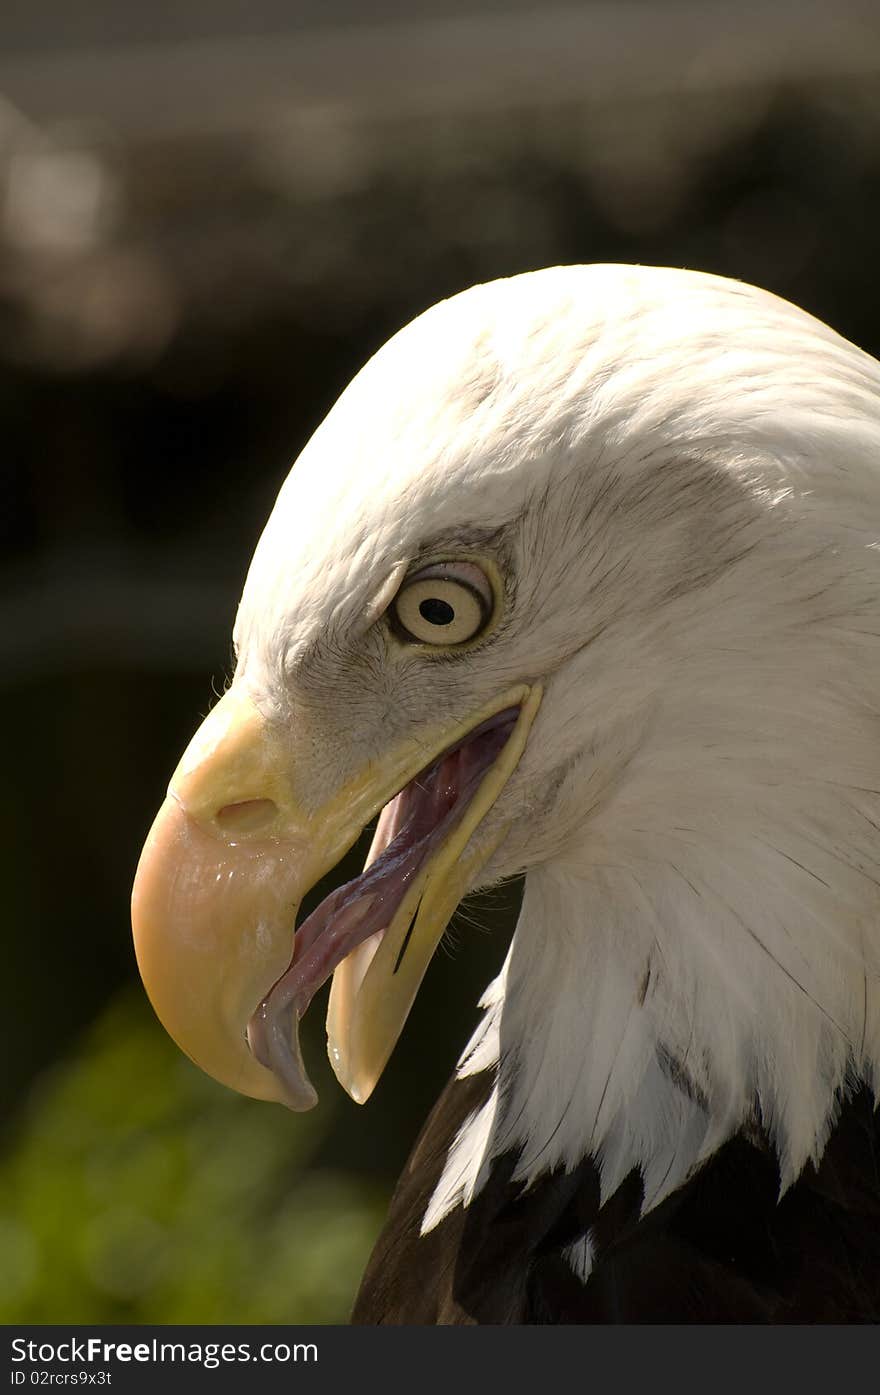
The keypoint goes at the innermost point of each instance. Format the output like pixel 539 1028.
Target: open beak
pixel 233 851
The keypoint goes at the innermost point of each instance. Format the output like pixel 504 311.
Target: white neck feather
pixel 705 956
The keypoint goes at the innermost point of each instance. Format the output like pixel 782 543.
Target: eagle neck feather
pixel 652 1007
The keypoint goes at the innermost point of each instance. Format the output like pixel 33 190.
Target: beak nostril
pixel 248 816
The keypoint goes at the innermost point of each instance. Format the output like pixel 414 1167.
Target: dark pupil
pixel 436 612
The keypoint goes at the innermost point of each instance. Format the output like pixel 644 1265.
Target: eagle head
pixel 578 578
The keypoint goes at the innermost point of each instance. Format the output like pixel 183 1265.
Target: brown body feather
pixel 723 1248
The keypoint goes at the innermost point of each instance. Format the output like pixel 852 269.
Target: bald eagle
pixel 579 578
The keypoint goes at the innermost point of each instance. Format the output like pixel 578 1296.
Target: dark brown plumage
pixel 722 1249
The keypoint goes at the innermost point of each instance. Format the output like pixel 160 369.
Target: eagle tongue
pixel 408 827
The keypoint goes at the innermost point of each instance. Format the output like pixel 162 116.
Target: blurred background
pixel 211 214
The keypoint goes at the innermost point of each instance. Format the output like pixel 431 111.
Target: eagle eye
pixel 445 604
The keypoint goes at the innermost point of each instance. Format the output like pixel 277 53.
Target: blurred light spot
pixel 316 154
pixel 119 305
pixel 57 200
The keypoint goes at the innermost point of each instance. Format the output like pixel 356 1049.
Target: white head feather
pixel 681 475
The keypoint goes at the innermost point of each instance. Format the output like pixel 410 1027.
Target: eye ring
pixel 444 605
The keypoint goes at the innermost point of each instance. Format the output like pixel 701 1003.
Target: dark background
pixel 210 215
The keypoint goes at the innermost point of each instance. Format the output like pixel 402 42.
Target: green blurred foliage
pixel 137 1190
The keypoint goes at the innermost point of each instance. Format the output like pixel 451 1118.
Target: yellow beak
pixel 227 862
